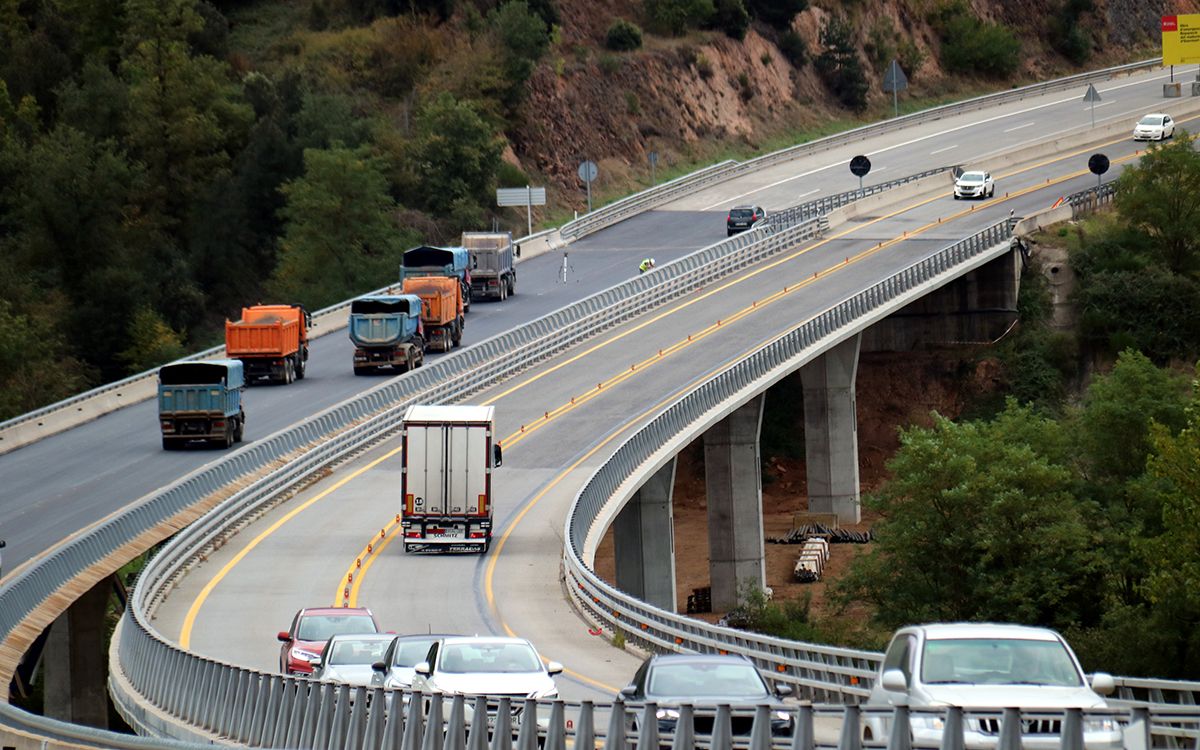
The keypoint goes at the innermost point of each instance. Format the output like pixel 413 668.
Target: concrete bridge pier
pixel 75 662
pixel 733 479
pixel 831 432
pixel 644 542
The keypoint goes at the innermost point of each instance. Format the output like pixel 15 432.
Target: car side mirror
pixel 894 681
pixel 554 667
pixel 316 662
pixel 1103 683
pixel 497 456
pixel 783 690
pixel 379 666
pixel 629 691
pixel 423 668
pixel 284 636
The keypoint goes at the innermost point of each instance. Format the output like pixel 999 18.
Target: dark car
pixel 741 218
pixel 705 681
pixel 312 628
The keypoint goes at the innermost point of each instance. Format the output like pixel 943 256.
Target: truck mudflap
pixel 426 534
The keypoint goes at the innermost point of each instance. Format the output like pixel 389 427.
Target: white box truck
pixel 446 482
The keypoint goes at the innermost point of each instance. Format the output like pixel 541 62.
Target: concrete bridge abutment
pixel 644 541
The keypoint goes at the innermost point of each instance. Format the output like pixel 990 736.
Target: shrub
pixel 704 66
pixel 623 36
pixel 730 16
pixel 881 45
pixel 509 175
pixel 839 65
pixel 674 17
pixel 792 46
pixel 911 57
pixel 970 45
pixel 776 13
pixel 632 104
pixel 609 64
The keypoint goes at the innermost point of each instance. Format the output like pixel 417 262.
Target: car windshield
pixel 998 661
pixel 411 653
pixel 694 679
pixel 1151 120
pixel 741 214
pixel 354 651
pixel 324 627
pixel 972 176
pixel 464 658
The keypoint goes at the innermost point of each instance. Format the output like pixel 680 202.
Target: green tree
pixel 979 522
pixel 340 238
pixel 839 66
pixel 731 17
pixel 523 37
pixel 37 365
pixel 777 13
pixel 456 155
pixel 674 17
pixel 151 342
pixel 1156 196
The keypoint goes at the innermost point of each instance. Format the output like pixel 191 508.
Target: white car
pixel 492 666
pixel 984 665
pixel 351 659
pixel 405 653
pixel 1154 127
pixel 974 184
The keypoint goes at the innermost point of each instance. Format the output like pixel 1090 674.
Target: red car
pixel 312 627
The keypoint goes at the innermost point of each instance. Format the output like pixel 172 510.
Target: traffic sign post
pixel 587 173
pixel 859 167
pixel 653 156
pixel 1092 96
pixel 895 81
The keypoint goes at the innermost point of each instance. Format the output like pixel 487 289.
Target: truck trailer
pixel 441 310
pixel 201 401
pixel 446 481
pixel 387 332
pixel 271 341
pixel 493 273
pixel 453 262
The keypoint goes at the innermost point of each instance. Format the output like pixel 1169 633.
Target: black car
pixel 705 681
pixel 741 218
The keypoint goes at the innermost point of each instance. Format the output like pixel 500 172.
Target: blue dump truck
pixel 386 331
pixel 201 401
pixel 428 260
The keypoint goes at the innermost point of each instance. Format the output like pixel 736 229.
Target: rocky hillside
pixel 705 93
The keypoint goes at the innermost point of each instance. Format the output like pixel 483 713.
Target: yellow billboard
pixel 1181 39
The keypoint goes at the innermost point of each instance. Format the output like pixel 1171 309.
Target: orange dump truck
pixel 441 309
pixel 271 341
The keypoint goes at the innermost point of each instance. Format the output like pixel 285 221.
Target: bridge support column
pixel 75 665
pixel 733 480
pixel 644 542
pixel 831 432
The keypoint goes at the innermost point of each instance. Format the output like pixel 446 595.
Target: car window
pixel 998 661
pixel 898 655
pixel 694 679
pixel 324 627
pixel 1150 120
pixel 463 658
pixel 411 653
pixel 741 214
pixel 353 651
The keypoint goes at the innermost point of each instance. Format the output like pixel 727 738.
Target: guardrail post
pixel 1072 730
pixel 802 733
pixel 685 729
pixel 1010 730
pixel 502 733
pixel 952 732
pixel 647 738
pixel 245 706
pixel 556 732
pixel 760 732
pixel 456 727
pixel 585 728
pixel 433 724
pixel 341 719
pixel 358 720
pixel 393 728
pixel 851 735
pixel 312 708
pixel 287 708
pixel 722 733
pixel 615 738
pixel 900 737
pixel 320 737
pixel 414 726
pixel 1137 732
pixel 527 731
pixel 374 734
pixel 478 738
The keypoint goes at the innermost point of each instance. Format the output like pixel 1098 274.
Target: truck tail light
pixel 478 535
pixel 219 424
pixel 483 505
pixel 168 426
pixel 412 535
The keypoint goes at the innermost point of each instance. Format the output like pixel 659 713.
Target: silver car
pixel 983 665
pixel 405 653
pixel 350 659
pixel 1154 127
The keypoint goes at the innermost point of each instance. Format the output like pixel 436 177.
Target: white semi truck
pixel 446 481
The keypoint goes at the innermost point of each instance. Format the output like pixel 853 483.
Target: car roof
pixel 973 171
pixel 335 611
pixel 481 639
pixel 1156 114
pixel 953 630
pixel 744 207
pixel 362 637
pixel 426 636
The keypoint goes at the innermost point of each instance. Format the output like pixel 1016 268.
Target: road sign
pixel 894 79
pixel 1092 96
pixel 860 165
pixel 1181 39
pixel 588 171
pixel 526 196
pixel 1098 165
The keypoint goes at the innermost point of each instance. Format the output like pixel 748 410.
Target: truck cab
pixel 201 401
pixel 427 260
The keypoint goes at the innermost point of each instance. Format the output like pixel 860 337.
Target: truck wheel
pixel 456 335
pixel 299 367
pixel 512 285
pixel 240 429
pixel 288 373
pixel 503 290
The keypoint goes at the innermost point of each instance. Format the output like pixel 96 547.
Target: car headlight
pixel 668 713
pixel 302 655
pixel 781 716
pixel 1100 725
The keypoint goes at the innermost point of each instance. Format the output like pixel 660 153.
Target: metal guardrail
pixel 1089 200
pixel 658 195
pixel 830 203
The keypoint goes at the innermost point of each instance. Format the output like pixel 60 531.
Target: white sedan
pixel 974 185
pixel 1154 127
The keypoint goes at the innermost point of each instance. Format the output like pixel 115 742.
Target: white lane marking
pixel 1139 82
pixel 1018 127
pixel 943 150
pixel 1105 104
pixel 810 192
